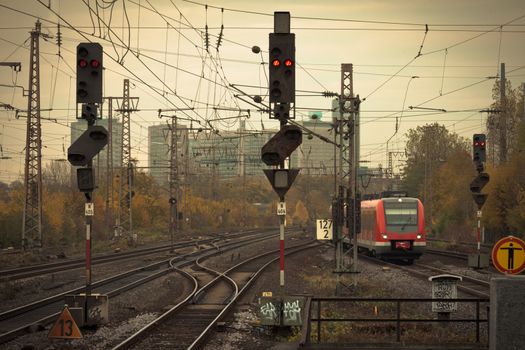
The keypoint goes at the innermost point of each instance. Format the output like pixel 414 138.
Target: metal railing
pixel 315 305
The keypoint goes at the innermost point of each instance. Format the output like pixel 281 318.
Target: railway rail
pixel 35 315
pixel 12 274
pixel 188 324
pixel 469 285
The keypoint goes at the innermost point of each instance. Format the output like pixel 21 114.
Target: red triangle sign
pixel 65 327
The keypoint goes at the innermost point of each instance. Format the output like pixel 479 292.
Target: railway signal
pixel 85 179
pixel 479 260
pixel 281 145
pixel 281 179
pixel 88 145
pixel 479 182
pixel 476 186
pixel 89 73
pixel 479 144
pixel 282 68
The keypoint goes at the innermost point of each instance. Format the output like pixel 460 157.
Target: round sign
pixel 508 255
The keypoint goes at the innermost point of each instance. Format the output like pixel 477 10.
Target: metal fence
pixel 315 314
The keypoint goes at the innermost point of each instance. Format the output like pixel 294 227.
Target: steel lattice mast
pixel 346 198
pixel 174 180
pixel 126 170
pixel 32 216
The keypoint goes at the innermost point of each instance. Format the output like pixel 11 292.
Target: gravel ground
pixel 311 274
pixel 129 311
pixel 308 273
pixel 21 292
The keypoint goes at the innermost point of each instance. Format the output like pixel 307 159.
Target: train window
pixel 401 213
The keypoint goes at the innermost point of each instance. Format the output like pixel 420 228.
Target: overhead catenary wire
pixel 203 101
pixel 131 72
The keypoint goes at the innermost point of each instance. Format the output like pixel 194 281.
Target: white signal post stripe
pixel 281 237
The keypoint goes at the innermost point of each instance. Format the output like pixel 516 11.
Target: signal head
pixel 282 68
pixel 95 63
pixel 82 63
pixel 479 148
pixel 89 73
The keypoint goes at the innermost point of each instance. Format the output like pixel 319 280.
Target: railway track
pixel 70 264
pixel 188 324
pixel 468 285
pixel 27 318
pixel 461 256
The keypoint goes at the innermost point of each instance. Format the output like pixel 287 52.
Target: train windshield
pixel 401 213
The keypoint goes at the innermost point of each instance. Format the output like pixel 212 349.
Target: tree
pixel 57 175
pixel 428 147
pixel 452 203
pixel 511 110
pixel 503 213
pixel 11 208
pixel 300 215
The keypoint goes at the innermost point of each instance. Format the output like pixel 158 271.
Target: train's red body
pixel 393 228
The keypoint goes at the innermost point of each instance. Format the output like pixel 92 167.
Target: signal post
pixel 277 150
pixel 479 144
pixel 85 148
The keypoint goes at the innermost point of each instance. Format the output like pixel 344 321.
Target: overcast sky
pixel 396 65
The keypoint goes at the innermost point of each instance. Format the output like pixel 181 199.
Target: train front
pixel 401 228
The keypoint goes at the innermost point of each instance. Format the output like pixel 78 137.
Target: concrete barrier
pixel 507 313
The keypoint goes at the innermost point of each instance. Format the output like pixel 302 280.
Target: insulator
pixel 207 39
pixel 219 39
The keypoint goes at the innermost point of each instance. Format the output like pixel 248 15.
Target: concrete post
pixel 507 307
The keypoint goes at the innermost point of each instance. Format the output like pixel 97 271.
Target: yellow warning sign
pixel 65 327
pixel 508 255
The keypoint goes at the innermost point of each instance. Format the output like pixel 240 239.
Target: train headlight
pixel 384 236
pixel 419 236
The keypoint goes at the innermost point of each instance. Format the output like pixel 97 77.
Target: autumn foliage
pixel 233 203
pixel 439 170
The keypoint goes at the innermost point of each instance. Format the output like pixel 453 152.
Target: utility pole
pixel 391 155
pixel 125 219
pixel 109 166
pixel 176 134
pixel 32 216
pixel 503 118
pixel 215 163
pixel 242 168
pixel 110 159
pixel 174 180
pixel 346 221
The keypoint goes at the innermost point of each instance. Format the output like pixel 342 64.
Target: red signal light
pixel 276 63
pixel 479 144
pixel 288 62
pixel 82 63
pixel 95 64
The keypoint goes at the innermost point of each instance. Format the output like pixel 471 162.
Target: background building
pixel 315 156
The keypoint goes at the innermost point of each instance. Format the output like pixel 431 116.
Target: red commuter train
pixel 393 228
